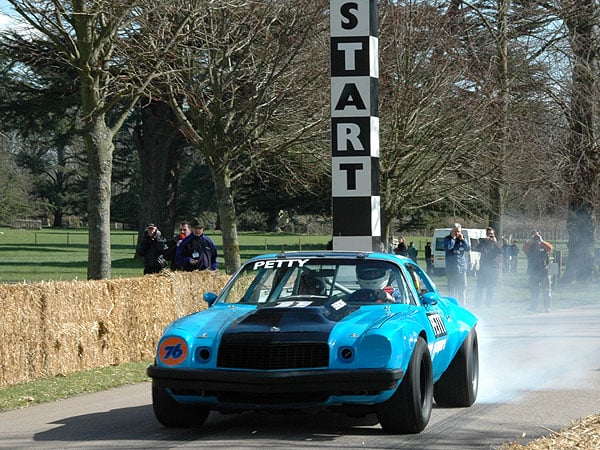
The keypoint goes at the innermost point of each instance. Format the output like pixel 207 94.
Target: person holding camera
pixel 489 267
pixel 538 269
pixel 151 248
pixel 456 247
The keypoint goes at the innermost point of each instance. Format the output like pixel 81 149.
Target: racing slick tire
pixel 174 415
pixel 409 409
pixel 458 386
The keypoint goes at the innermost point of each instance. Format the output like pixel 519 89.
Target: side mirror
pixel 430 298
pixel 210 297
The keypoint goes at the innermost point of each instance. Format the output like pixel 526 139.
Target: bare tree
pixel 248 72
pixel 433 121
pixel 89 36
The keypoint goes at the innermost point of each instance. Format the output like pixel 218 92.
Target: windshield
pixel 317 281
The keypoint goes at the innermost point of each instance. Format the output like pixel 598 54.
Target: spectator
pixel 538 265
pixel 456 248
pixel 197 251
pixel 506 255
pixel 401 249
pixel 514 256
pixel 172 244
pixel 151 248
pixel 391 246
pixel 489 265
pixel 429 258
pixel 412 252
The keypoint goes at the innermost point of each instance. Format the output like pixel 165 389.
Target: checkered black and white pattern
pixel 355 125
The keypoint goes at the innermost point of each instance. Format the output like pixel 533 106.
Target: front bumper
pixel 317 381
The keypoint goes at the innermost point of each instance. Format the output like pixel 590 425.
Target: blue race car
pixel 361 332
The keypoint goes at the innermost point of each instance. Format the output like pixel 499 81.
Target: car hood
pixel 279 324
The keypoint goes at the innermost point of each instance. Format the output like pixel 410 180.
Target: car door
pixel 439 319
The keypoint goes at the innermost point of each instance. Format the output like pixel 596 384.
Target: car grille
pixel 273 356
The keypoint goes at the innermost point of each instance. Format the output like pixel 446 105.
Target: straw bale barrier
pixel 59 327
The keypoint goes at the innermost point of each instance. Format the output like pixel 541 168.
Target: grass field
pixel 59 254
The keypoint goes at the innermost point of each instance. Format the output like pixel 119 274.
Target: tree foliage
pixel 89 36
pixel 16 200
pixel 41 95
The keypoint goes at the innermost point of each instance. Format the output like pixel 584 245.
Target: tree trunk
pixel 98 141
pixel 497 197
pixel 582 147
pixel 386 227
pixel 159 144
pixel 228 218
pixel 581 228
pixel 58 218
pixel 273 220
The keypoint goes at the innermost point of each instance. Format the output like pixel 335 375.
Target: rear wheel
pixel 409 409
pixel 458 385
pixel 174 415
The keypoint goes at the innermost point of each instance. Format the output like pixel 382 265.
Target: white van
pixel 439 253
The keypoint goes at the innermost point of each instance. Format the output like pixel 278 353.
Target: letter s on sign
pixel 351 19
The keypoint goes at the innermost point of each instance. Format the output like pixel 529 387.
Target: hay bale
pixel 59 327
pixel 22 346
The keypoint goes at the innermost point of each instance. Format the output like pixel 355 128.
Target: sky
pixel 4 18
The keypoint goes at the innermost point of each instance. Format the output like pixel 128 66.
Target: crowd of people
pixel 496 256
pixel 188 250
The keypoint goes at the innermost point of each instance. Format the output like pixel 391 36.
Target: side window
pixel 418 279
pixel 439 244
pixel 406 294
pixel 260 289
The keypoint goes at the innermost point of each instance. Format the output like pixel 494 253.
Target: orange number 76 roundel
pixel 173 351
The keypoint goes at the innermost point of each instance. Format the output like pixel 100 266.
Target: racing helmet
pixel 372 277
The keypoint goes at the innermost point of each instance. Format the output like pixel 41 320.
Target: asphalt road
pixel 538 373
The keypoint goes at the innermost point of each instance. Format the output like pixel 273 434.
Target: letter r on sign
pixel 348 133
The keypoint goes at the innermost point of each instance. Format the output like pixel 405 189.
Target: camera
pixel 536 238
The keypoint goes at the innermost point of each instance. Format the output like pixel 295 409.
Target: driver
pixel 311 285
pixel 377 279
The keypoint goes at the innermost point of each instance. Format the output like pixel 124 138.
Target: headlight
pixel 374 351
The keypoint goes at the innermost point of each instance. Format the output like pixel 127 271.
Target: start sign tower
pixel 355 125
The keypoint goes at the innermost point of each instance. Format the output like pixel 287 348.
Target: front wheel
pixel 174 415
pixel 409 409
pixel 458 386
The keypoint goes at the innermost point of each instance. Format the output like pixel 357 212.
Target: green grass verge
pixel 55 388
